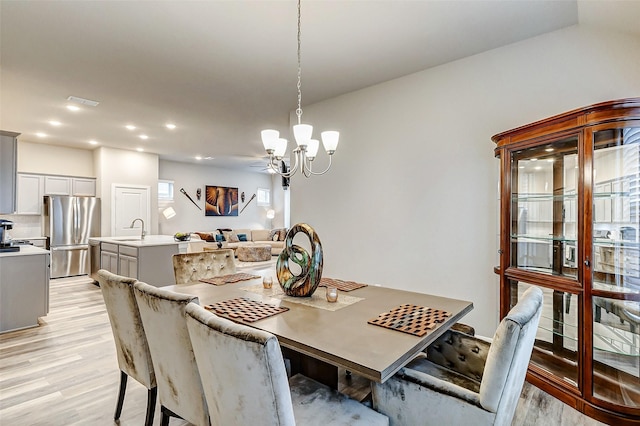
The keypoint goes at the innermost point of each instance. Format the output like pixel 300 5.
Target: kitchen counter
pixel 25 250
pixel 24 287
pixel 149 240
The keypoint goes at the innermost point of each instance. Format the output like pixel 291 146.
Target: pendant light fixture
pixel 305 152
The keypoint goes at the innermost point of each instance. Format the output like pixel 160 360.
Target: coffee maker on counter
pixel 5 241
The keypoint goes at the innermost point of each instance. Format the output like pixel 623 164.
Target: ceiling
pixel 223 70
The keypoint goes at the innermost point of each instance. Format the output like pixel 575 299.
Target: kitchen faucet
pixel 141 221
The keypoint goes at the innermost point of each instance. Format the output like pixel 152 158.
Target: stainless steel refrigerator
pixel 68 224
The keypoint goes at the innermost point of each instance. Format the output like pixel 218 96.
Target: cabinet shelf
pixel 543 197
pixel 527 238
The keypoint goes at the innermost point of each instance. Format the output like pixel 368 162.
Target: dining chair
pixel 190 267
pixel 179 387
pixel 462 379
pixel 134 358
pixel 245 381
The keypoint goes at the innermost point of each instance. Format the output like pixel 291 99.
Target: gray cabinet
pixel 109 257
pixel 8 168
pixel 128 261
pixel 149 263
pixel 24 288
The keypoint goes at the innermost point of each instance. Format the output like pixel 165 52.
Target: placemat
pixel 341 285
pixel 245 310
pixel 227 279
pixel 317 300
pixel 412 319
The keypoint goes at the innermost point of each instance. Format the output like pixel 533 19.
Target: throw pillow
pixel 242 237
pixel 275 237
pixel 282 234
pixel 203 235
pixel 231 236
pixel 219 238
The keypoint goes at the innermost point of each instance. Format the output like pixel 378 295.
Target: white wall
pixel 411 199
pixel 193 176
pixel 54 160
pixel 125 167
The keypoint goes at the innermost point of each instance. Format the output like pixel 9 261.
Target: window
pixel 165 190
pixel 264 197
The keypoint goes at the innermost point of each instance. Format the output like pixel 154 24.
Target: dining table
pixel 319 337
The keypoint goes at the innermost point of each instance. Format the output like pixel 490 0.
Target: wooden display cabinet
pixel 570 224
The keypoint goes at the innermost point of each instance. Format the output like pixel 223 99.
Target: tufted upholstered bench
pixel 190 267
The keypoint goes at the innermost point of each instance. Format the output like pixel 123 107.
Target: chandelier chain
pixel 299 110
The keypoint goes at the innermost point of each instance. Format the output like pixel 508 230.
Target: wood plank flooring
pixel 65 371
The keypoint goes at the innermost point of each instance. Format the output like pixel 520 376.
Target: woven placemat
pixel 341 285
pixel 244 310
pixel 412 319
pixel 227 279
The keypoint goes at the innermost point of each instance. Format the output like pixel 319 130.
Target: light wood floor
pixel 65 372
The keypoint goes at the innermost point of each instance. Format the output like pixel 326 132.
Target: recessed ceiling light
pixel 41 135
pixel 549 149
pixel 73 108
pixel 145 137
pixel 130 127
pixel 550 160
pixel 198 157
pixel 534 159
pixel 170 126
pixel 92 142
pixel 55 123
pixel 538 168
pixel 521 167
pixel 140 149
pixel 208 158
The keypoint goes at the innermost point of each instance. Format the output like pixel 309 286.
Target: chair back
pixel 163 316
pixel 132 348
pixel 245 380
pixel 190 267
pixel 509 355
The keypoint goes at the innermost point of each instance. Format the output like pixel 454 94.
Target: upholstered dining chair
pixel 245 381
pixel 463 380
pixel 190 267
pixel 134 358
pixel 179 387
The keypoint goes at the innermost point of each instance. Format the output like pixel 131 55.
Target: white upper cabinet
pixel 83 187
pixel 57 185
pixel 31 188
pixel 30 191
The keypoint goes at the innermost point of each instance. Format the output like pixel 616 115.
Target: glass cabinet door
pixel 544 208
pixel 616 265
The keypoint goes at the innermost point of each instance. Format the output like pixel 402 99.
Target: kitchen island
pixel 24 287
pixel 148 260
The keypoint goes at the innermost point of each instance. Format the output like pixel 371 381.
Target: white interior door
pixel 129 202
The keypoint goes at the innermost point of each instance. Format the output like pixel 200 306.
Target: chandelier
pixel 307 148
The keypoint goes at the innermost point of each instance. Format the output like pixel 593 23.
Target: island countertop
pixel 148 241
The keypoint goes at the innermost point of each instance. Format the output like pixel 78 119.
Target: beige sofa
pixel 232 239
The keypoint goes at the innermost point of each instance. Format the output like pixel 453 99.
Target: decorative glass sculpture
pixel 304 284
